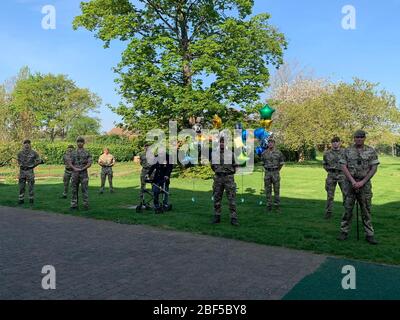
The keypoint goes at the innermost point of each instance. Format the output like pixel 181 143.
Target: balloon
pixel 245 134
pixel 259 151
pixel 200 138
pixel 187 160
pixel 238 142
pixel 266 112
pixel 242 159
pixel 217 122
pixel 261 133
pixel 266 124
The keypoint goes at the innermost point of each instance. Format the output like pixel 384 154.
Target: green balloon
pixel 266 112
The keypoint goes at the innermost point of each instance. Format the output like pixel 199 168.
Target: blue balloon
pixel 259 151
pixel 187 160
pixel 261 134
pixel 245 134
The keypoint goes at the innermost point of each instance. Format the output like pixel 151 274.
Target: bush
pixel 53 153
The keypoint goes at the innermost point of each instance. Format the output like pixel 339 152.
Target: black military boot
pixel 234 222
pixel 216 220
pixel 342 236
pixel 371 240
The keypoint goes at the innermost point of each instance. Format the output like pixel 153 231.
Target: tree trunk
pixel 186 56
pixel 52 135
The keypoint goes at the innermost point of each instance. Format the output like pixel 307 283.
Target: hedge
pixel 52 153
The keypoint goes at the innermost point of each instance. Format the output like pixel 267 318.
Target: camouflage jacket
pixel 66 159
pixel 331 159
pixel 272 159
pixel 359 162
pixel 222 168
pixel 80 158
pixel 143 161
pixel 28 159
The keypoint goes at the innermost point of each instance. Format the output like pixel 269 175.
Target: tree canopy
pixel 83 126
pixel 44 105
pixel 310 120
pixel 185 57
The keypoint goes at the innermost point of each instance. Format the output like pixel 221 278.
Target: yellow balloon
pixel 217 122
pixel 238 142
pixel 266 124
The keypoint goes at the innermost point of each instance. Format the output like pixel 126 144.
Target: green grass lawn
pixel 300 225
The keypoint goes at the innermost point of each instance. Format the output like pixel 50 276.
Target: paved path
pixel 104 260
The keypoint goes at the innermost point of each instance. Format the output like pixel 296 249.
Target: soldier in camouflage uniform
pixel 106 161
pixel 145 171
pixel 273 161
pixel 80 161
pixel 335 176
pixel 359 165
pixel 28 159
pixel 67 171
pixel 224 179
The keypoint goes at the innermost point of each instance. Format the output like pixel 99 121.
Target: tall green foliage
pixel 49 104
pixel 340 111
pixel 185 57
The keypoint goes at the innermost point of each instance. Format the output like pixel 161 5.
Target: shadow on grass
pixel 300 224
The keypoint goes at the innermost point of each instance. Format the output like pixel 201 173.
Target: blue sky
pixel 312 27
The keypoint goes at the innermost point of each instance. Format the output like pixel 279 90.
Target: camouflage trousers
pixel 106 172
pixel 81 178
pixel 272 179
pixel 330 186
pixel 66 180
pixel 228 184
pixel 26 176
pixel 143 175
pixel 363 196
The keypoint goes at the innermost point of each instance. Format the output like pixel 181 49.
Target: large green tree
pixel 83 126
pixel 49 104
pixel 341 110
pixel 185 57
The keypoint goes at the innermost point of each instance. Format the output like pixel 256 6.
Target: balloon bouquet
pixel 263 134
